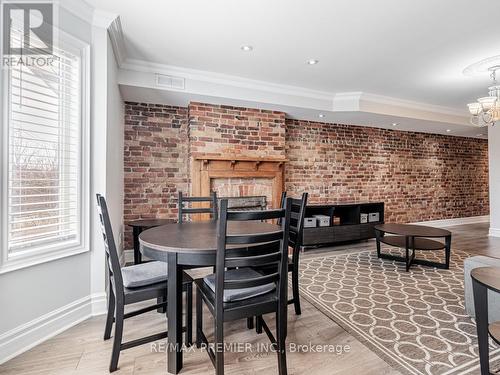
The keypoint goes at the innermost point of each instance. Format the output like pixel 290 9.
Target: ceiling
pixel 405 49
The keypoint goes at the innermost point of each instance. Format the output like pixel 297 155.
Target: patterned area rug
pixel 414 320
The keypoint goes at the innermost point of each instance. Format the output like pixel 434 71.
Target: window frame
pixel 50 252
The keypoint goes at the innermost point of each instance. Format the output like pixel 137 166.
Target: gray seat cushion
pixel 493 297
pixel 144 274
pixel 232 295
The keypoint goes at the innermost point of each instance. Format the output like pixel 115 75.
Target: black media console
pixel 345 222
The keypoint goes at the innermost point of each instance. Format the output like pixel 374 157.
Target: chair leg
pixel 199 319
pixel 258 324
pixel 189 315
pixel 250 323
pixel 161 310
pixel 281 342
pixel 219 347
pixel 295 287
pixel 111 314
pixel 117 340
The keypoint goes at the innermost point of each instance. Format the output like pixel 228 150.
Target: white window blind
pixel 44 194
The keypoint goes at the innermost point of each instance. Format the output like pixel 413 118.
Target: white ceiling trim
pixel 115 32
pixel 143 74
pixel 223 79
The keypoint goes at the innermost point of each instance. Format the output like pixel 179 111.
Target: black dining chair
pixel 298 211
pixel 212 209
pixel 133 284
pixel 237 290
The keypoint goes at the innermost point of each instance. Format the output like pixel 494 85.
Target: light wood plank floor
pixel 81 350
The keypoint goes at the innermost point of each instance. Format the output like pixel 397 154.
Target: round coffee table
pixel 413 237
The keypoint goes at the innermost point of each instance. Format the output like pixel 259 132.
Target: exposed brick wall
pixel 419 176
pixel 222 129
pixel 156 161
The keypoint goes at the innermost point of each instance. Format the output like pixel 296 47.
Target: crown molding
pixel 223 79
pixel 418 106
pixel 115 32
pixel 347 101
pixel 321 100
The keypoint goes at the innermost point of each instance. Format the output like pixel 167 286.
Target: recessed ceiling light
pixel 448 130
pixel 312 61
pixel 394 124
pixel 246 48
pixel 480 134
pixel 321 115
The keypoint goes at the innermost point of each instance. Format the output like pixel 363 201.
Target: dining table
pixel 184 246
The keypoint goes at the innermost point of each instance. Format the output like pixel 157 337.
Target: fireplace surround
pixel 206 169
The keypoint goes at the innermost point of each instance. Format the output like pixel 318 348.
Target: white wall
pixel 115 142
pixel 494 166
pixel 31 299
pixel 40 301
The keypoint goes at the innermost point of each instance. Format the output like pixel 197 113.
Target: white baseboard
pixel 456 221
pixel 33 333
pixel 99 303
pixel 494 232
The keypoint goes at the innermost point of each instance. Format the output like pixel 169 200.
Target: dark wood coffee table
pixel 413 237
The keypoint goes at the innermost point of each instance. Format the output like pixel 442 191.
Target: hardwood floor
pixel 81 350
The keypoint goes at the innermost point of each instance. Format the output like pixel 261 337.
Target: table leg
pixel 174 315
pixel 377 236
pixel 447 251
pixel 407 249
pixel 137 252
pixel 481 308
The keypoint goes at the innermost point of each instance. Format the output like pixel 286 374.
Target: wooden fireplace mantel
pixel 204 168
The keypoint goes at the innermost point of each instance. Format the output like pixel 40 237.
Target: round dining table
pixel 183 246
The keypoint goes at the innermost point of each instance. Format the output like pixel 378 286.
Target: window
pixel 44 173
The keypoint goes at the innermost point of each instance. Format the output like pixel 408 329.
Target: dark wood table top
pixel 148 223
pixel 488 276
pixel 413 230
pixel 197 237
pixel 419 243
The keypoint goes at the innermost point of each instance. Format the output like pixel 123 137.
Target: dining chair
pixel 212 210
pixel 133 284
pixel 298 211
pixel 237 290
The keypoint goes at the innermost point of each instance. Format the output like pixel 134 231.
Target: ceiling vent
pixel 170 82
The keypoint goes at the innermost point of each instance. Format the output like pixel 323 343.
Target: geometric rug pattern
pixel 414 320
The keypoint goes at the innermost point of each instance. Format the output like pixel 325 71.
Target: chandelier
pixel 486 110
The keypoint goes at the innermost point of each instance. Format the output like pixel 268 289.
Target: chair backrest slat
pixel 269 249
pixel 253 261
pixel 113 261
pixel 298 212
pixel 254 238
pixel 212 209
pixel 255 215
pixel 253 282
